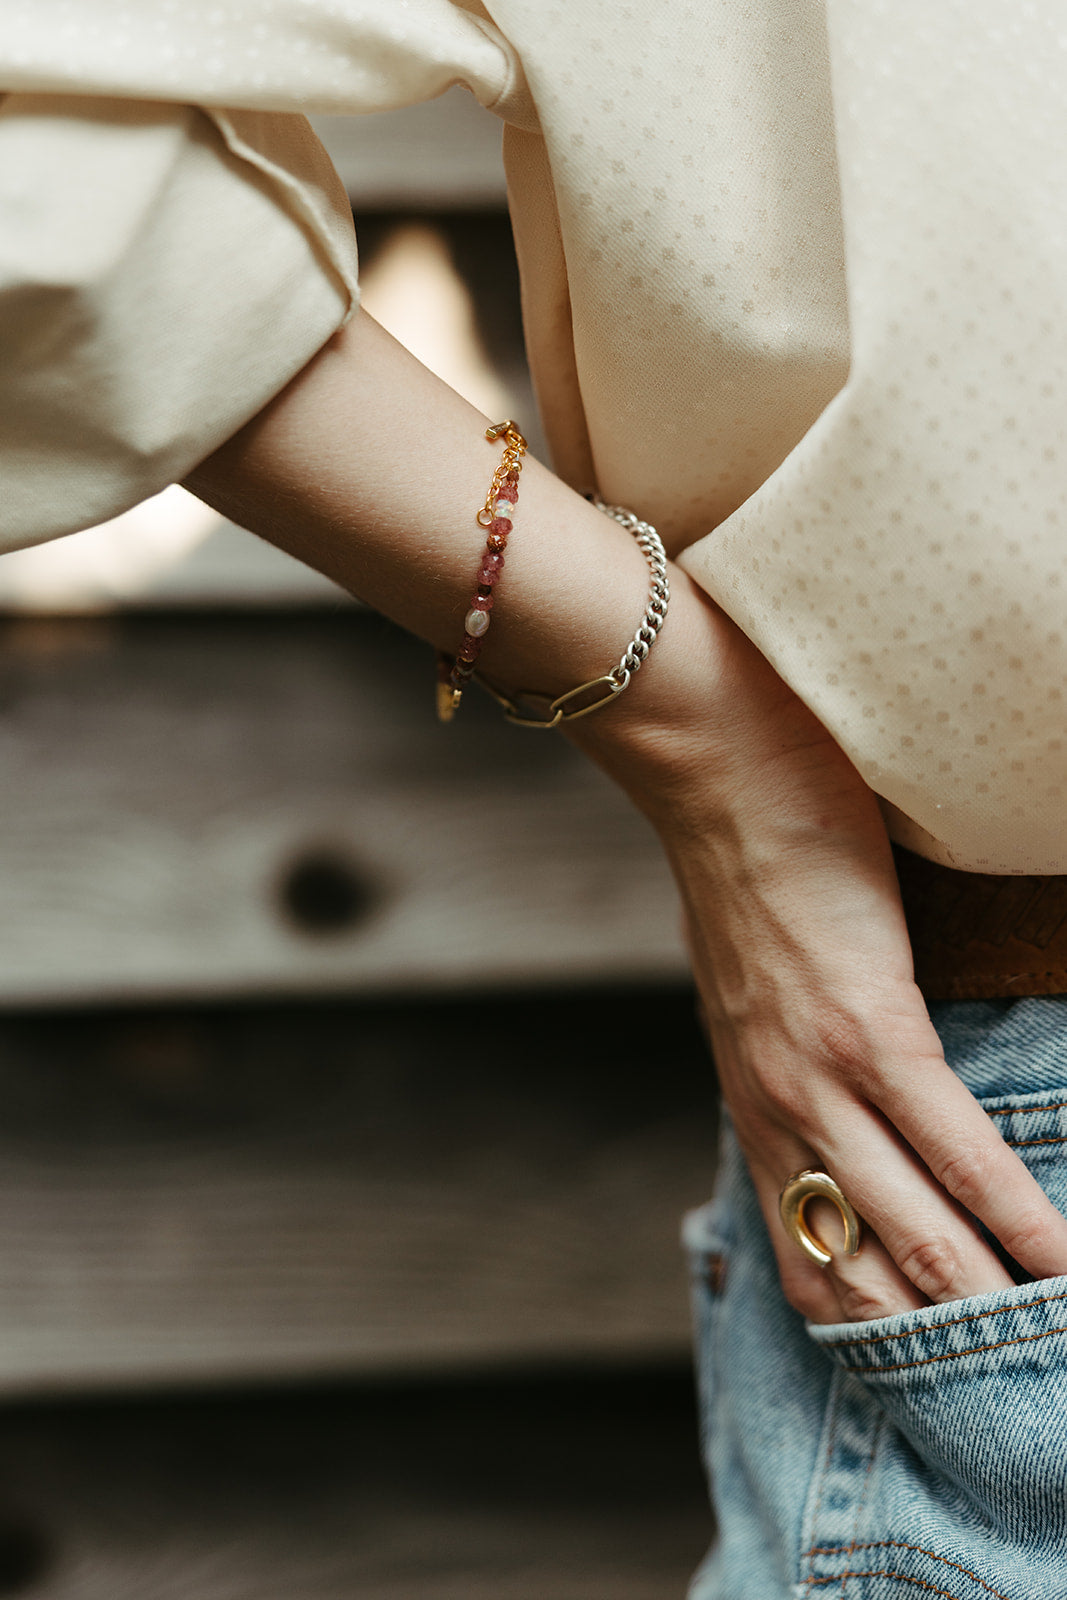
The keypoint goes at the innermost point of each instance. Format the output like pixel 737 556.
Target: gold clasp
pixel 514 450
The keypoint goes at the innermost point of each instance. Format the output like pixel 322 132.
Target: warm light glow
pixel 118 560
pixel 414 291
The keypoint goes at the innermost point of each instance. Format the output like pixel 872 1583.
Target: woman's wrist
pixel 666 727
pixel 372 470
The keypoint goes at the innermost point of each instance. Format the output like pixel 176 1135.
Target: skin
pixel 370 469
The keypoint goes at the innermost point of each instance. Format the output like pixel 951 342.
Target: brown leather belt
pixel 977 935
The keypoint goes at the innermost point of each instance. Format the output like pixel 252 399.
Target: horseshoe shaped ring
pixel 796 1192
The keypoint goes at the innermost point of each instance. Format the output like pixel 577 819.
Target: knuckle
pixel 965 1177
pixel 788 1108
pixel 1030 1240
pixel 776 1099
pixel 934 1268
pixel 845 1046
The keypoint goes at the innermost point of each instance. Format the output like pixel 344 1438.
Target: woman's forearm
pixel 370 469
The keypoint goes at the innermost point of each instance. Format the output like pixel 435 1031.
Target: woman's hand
pixel 825 1051
pixel 824 1048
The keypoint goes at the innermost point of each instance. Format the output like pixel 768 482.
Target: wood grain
pixel 163 780
pixel 294 1191
pixel 559 1490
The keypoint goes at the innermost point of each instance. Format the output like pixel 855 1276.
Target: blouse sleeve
pixel 163 272
pixel 174 242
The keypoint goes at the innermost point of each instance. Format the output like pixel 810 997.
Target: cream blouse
pixel 795 283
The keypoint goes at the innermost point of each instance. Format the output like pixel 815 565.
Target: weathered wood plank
pixel 262 807
pixel 519 1491
pixel 314 1190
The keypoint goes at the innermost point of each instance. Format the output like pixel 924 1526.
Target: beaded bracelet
pixel 496 515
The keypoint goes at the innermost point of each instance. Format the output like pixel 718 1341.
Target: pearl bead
pixel 477 622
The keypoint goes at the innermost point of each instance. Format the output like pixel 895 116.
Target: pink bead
pixel 483 602
pixel 468 650
pixel 490 569
pixel 500 525
pixel 509 490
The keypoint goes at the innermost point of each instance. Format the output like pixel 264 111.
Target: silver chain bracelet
pixel 532 710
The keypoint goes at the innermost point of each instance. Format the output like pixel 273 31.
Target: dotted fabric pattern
pixel 906 565
pixel 795 280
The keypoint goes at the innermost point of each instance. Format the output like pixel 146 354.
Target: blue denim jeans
pixel 924 1453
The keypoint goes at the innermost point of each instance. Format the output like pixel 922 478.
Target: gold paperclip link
pixel 528 709
pixel 609 686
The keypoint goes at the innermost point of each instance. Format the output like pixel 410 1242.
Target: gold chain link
pixel 511 461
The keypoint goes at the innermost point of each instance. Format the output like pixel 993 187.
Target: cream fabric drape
pixel 794 279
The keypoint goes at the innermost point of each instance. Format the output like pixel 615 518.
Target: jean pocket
pixel 707 1235
pixel 974 1393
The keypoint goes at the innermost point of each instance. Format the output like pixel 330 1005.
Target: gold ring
pixel 796 1192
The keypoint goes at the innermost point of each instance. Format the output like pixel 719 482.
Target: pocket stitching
pixel 902 1577
pixel 954 1355
pixel 833 1400
pixel 862 1501
pixel 1030 1111
pixel 1027 1111
pixel 954 1322
pixel 895 1544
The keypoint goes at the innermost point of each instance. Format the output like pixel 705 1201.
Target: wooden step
pixel 574 1489
pixel 235 1193
pixel 261 806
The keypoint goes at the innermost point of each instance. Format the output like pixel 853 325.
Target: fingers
pixel 918 1246
pixel 924 1165
pixel 807 1287
pixel 852 1288
pixel 965 1155
pixel 870 1100
pixel 869 1284
pixel 933 1242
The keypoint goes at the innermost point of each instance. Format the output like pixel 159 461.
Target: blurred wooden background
pixel 560 1488
pixel 337 1050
